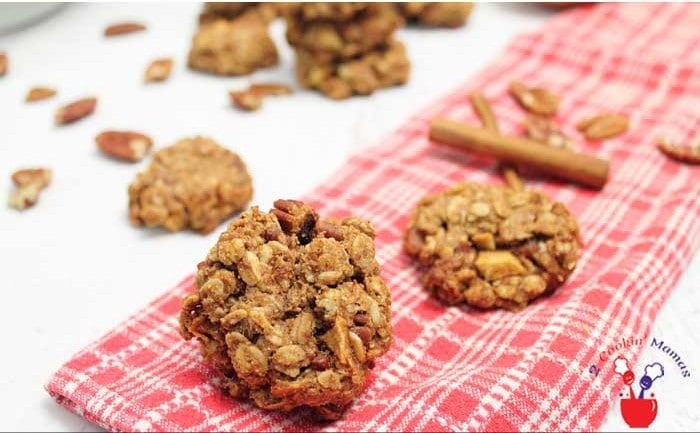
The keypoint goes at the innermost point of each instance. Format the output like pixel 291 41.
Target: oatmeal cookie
pixel 338 40
pixel 387 66
pixel 194 183
pixel 491 246
pixel 290 309
pixel 436 14
pixel 237 47
pixel 213 11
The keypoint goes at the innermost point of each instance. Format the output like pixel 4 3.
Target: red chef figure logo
pixel 638 411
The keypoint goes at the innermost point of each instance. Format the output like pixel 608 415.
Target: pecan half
pixel 158 70
pixel 537 100
pixel 124 28
pixel 39 93
pixel 546 131
pixel 125 145
pixel 686 154
pixel 3 64
pixel 29 182
pixel 75 111
pixel 603 126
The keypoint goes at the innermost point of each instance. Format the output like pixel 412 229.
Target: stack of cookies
pixel 233 39
pixel 347 48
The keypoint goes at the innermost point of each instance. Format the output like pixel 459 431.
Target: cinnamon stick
pixel 578 167
pixel 483 110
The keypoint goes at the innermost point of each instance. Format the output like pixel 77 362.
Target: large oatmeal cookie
pixel 194 183
pixel 492 247
pixel 339 40
pixel 384 67
pixel 232 47
pixel 291 310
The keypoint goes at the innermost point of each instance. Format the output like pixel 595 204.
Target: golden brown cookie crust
pixel 342 40
pixel 437 14
pixel 194 183
pixel 491 246
pixel 290 309
pixel 236 47
pixel 385 67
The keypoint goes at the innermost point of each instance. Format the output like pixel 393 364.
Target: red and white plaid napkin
pixel 453 368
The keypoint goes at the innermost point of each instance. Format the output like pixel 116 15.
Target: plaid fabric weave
pixel 452 368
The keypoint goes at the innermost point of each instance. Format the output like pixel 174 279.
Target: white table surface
pixel 74 267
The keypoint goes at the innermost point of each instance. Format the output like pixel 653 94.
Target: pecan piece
pixel 686 154
pixel 3 64
pixel 125 145
pixel 363 332
pixel 546 131
pixel 321 362
pixel 361 318
pixel 603 126
pixel 245 99
pixel 296 218
pixel 331 230
pixel 251 98
pixel 124 28
pixel 271 89
pixel 29 182
pixel 38 93
pixel 158 70
pixel 537 100
pixel 75 111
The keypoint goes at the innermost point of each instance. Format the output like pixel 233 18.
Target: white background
pixel 73 267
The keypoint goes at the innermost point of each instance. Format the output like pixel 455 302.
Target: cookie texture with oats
pixel 290 309
pixel 491 246
pixel 344 40
pixel 232 47
pixel 384 67
pixel 194 183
